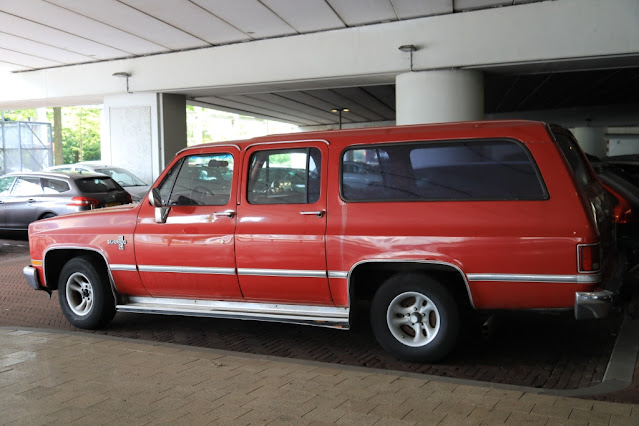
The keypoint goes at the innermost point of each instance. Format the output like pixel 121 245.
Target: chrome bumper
pixel 31 274
pixel 592 304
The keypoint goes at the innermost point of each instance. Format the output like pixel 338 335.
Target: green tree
pixel 81 134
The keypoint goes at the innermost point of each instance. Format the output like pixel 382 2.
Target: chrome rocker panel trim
pixel 322 316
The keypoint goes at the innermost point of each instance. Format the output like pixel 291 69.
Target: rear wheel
pixel 415 318
pixel 85 294
pixel 48 215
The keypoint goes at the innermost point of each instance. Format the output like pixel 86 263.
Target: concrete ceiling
pixel 41 34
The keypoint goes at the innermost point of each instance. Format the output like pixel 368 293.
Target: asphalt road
pixel 541 351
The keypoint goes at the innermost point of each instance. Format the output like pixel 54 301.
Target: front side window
pixel 199 180
pixel 472 170
pixel 284 176
pixel 5 184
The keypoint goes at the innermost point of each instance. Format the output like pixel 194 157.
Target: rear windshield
pixel 96 185
pixel 468 170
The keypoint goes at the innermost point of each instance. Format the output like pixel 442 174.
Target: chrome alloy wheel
pixel 79 294
pixel 413 319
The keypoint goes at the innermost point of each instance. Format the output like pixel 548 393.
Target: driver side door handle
pixel 318 213
pixel 224 214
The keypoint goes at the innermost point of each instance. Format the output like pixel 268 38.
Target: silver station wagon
pixel 29 196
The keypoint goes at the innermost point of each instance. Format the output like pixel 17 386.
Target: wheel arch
pixel 367 276
pixel 55 259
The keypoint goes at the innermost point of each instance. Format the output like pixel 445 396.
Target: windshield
pixel 122 176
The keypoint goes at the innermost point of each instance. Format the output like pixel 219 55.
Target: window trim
pixel 288 149
pixel 544 189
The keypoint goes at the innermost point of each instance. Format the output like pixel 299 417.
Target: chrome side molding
pixel 322 316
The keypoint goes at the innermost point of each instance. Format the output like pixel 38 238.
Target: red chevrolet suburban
pixel 423 224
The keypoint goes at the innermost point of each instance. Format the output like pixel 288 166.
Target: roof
pixel 458 130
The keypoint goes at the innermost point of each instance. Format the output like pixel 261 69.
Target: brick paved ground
pixel 551 352
pixel 74 378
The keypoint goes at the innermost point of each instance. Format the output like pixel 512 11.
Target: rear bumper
pixel 597 304
pixel 593 304
pixel 33 279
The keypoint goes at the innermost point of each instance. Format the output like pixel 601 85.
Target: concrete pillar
pixel 142 132
pixel 591 140
pixel 439 96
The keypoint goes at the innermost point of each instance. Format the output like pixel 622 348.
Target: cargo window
pixel 284 176
pixel 199 180
pixel 575 159
pixel 473 170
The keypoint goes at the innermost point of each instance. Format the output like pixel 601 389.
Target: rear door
pixel 21 206
pixel 280 247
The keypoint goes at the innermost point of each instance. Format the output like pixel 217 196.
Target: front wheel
pixel 415 318
pixel 85 294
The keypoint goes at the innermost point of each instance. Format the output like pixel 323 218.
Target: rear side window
pixel 27 185
pixel 575 160
pixel 285 176
pixel 470 170
pixel 96 185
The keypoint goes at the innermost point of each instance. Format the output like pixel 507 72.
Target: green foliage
pixel 80 134
pixel 21 115
pixel 80 130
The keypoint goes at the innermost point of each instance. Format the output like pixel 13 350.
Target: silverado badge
pixel 120 242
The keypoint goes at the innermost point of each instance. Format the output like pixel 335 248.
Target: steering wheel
pixel 274 187
pixel 199 193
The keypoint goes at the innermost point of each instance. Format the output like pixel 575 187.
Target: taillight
pixel 83 201
pixel 589 257
pixel 623 209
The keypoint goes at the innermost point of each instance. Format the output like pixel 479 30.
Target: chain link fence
pixel 25 146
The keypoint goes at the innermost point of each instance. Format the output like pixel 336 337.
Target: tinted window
pixel 203 180
pixel 96 185
pixel 286 176
pixel 476 170
pixel 575 159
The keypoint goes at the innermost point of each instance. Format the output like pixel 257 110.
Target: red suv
pixel 425 223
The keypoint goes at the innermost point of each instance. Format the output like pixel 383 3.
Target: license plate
pixel 112 204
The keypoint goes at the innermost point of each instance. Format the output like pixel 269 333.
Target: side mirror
pixel 154 198
pixel 161 212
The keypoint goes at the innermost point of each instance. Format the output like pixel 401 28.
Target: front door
pixel 191 253
pixel 280 236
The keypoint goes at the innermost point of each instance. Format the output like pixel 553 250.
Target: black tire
pixel 85 294
pixel 47 216
pixel 406 302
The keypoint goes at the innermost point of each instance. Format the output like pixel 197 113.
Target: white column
pixel 591 140
pixel 439 96
pixel 142 132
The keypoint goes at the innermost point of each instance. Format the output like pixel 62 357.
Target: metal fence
pixel 24 146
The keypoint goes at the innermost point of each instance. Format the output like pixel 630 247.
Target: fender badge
pixel 120 242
